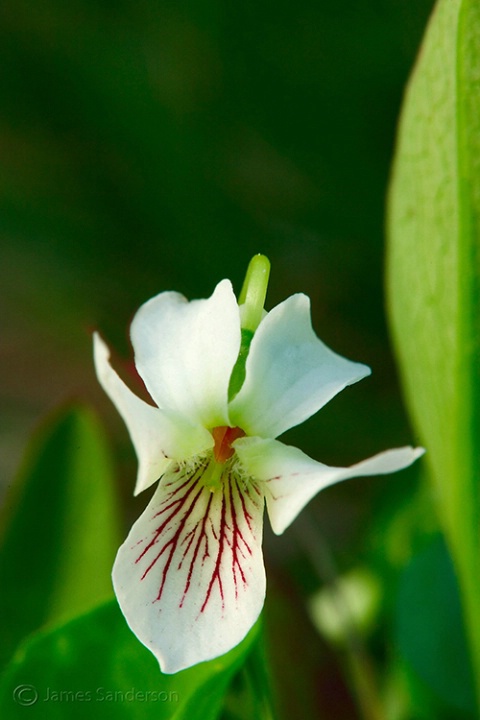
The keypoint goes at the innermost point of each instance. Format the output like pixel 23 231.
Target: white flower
pixel 190 577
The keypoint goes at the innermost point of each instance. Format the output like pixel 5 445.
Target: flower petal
pixel 290 373
pixel 185 352
pixel 190 578
pixel 157 436
pixel 292 478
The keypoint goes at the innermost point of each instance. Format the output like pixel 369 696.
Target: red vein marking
pixel 190 479
pixel 236 550
pixel 173 543
pixel 200 539
pixel 230 513
pixel 216 576
pixel 246 514
pixel 227 520
pixel 181 502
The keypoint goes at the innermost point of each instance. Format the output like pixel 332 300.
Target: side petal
pixel 291 478
pixel 290 373
pixel 157 437
pixel 190 578
pixel 185 352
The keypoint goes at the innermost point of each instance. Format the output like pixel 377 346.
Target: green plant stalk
pixel 361 671
pixel 252 299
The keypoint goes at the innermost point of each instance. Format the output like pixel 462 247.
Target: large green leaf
pixel 60 528
pixel 433 273
pixel 95 665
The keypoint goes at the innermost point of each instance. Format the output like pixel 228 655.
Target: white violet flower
pixel 227 379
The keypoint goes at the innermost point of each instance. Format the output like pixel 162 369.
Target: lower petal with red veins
pixel 190 578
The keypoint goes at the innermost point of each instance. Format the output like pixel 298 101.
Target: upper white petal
pixel 190 578
pixel 292 478
pixel 158 437
pixel 185 352
pixel 290 373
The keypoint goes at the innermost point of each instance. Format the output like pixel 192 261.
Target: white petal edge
pixel 157 437
pixel 185 352
pixel 291 478
pixel 190 578
pixel 290 372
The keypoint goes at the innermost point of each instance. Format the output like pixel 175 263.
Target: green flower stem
pixel 237 377
pixel 252 300
pixel 360 666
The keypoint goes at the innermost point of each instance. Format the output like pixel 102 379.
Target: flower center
pixel 223 437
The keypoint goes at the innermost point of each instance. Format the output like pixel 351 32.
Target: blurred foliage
pixel 430 630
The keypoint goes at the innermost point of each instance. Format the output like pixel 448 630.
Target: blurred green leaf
pixel 60 528
pixel 434 280
pixel 430 629
pixel 94 664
